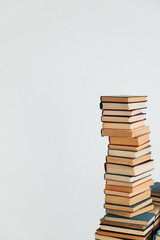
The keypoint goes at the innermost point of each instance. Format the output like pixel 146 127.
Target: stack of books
pixel 155 192
pixel 130 213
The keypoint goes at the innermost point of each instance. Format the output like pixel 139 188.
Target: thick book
pixel 128 161
pixel 123 119
pixel 142 219
pixel 136 141
pixel 129 170
pixel 123 98
pixel 129 148
pixel 117 235
pixel 156 189
pixel 129 154
pixel 132 208
pixel 124 194
pixel 125 133
pixel 126 230
pixel 126 189
pixel 127 126
pixel 122 106
pixel 128 201
pixel 131 214
pixel 127 113
pixel 156 199
pixel 127 178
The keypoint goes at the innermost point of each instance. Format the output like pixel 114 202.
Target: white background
pixel 56 59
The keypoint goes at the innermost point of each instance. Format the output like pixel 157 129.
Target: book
pixel 129 154
pixel 156 189
pixel 131 214
pixel 135 141
pixel 122 106
pixel 132 208
pixel 126 230
pixel 129 148
pixel 128 201
pixel 124 194
pixel 142 219
pixel 125 133
pixel 127 126
pixel 156 199
pixel 129 170
pixel 118 177
pixel 126 184
pixel 125 119
pixel 123 98
pixel 121 224
pixel 101 232
pixel 139 187
pixel 121 112
pixel 128 161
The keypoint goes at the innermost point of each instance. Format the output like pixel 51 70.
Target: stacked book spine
pixel 130 212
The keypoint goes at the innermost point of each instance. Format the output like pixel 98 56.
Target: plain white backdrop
pixel 57 57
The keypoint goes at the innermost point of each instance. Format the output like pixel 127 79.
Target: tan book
pixel 121 112
pixel 127 126
pixel 129 148
pixel 133 214
pixel 124 194
pixel 101 237
pixel 120 224
pixel 128 170
pixel 141 186
pixel 126 230
pixel 146 219
pixel 125 99
pixel 121 119
pixel 118 235
pixel 156 199
pixel 129 154
pixel 128 161
pixel 135 141
pixel 125 133
pixel 126 178
pixel 123 106
pixel 132 208
pixel 126 184
pixel 128 201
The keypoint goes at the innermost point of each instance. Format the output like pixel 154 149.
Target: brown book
pixel 129 148
pixel 129 170
pixel 132 208
pixel 123 119
pixel 122 106
pixel 125 133
pixel 126 230
pixel 129 154
pixel 124 194
pixel 128 161
pixel 126 178
pixel 117 113
pixel 100 232
pixel 141 186
pixel 128 184
pixel 120 224
pixel 125 99
pixel 127 201
pixel 133 214
pixel 127 126
pixel 135 141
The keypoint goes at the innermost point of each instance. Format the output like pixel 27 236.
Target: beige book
pixel 125 133
pixel 123 106
pixel 127 126
pixel 129 148
pixel 124 119
pixel 128 201
pixel 129 154
pixel 121 112
pixel 126 184
pixel 125 194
